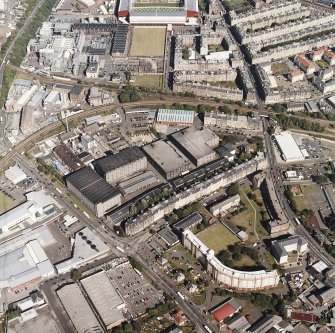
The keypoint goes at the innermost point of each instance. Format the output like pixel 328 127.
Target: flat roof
pixel 78 309
pixel 175 116
pixel 289 147
pixel 115 161
pixel 104 297
pixel 87 245
pixel 15 174
pixel 92 185
pixel 195 141
pixel 166 155
pixel 138 182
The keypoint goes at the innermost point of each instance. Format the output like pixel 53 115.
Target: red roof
pixel 300 316
pixel 123 13
pixel 221 314
pixel 192 13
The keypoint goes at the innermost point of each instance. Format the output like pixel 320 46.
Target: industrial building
pixel 78 309
pixel 223 206
pixel 92 190
pixel 168 159
pixel 228 277
pixel 288 147
pixel 196 144
pixel 225 310
pixel 24 265
pixel 87 246
pixel 15 174
pixel 38 207
pixel 68 157
pixel 121 165
pixel 281 249
pixel 140 182
pixel 105 299
pixel 135 13
pixel 175 117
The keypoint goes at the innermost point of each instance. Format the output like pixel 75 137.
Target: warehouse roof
pixel 226 310
pixel 104 297
pixel 115 161
pixel 196 142
pixel 78 309
pixel 289 147
pixel 167 156
pixel 175 116
pixel 138 182
pixel 91 185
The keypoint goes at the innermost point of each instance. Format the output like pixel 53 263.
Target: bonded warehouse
pixel 93 191
pixel 121 165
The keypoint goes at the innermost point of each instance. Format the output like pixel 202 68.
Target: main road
pixel 275 173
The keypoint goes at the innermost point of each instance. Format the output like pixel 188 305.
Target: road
pixel 275 173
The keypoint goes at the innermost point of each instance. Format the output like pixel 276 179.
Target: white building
pixel 24 266
pixel 288 147
pixel 15 174
pixel 86 246
pixel 281 249
pixel 37 207
pixel 228 277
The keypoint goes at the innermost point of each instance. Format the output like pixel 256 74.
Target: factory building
pixel 105 299
pixel 15 174
pixel 196 144
pixel 168 159
pixel 93 191
pixel 24 265
pixel 68 157
pixel 281 249
pixel 38 207
pixel 121 165
pixel 175 117
pixel 226 276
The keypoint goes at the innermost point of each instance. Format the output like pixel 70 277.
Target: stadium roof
pixel 115 161
pixel 289 147
pixel 175 116
pixel 91 185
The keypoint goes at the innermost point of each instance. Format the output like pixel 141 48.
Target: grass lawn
pixel 245 261
pixel 247 217
pixel 280 69
pixel 149 81
pixel 180 263
pixel 301 200
pixel 225 84
pixel 200 298
pixel 217 237
pixel 6 202
pixel 148 42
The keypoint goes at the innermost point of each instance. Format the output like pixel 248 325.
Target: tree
pixel 127 327
pixel 321 179
pixel 233 189
pixel 277 108
pixel 225 109
pixel 75 274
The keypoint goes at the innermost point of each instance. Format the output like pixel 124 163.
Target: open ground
pixel 217 237
pixel 148 42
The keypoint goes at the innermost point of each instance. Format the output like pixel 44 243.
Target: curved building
pixel 228 277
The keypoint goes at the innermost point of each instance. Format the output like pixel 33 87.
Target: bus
pixel 58 190
pixel 86 214
pixel 119 248
pixel 208 329
pixel 181 295
pixel 296 220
